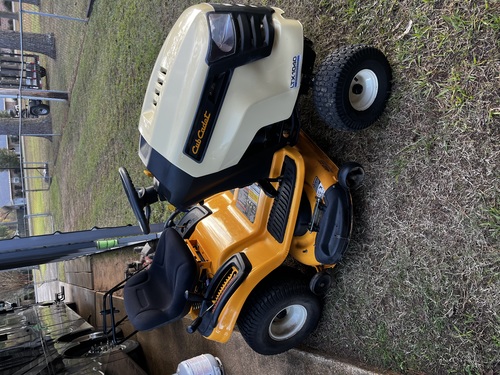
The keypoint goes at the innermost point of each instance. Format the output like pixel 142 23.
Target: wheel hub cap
pixel 288 322
pixel 363 90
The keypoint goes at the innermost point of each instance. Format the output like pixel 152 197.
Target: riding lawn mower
pixel 220 137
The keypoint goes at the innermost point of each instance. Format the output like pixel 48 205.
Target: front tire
pixel 280 313
pixel 352 86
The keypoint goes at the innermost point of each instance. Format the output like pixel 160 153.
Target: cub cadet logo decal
pixel 201 133
pixel 294 81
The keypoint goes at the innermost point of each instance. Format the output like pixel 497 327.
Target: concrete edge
pixel 238 358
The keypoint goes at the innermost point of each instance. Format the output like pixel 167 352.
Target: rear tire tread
pixel 282 285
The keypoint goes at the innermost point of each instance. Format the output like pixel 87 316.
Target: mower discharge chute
pixel 220 134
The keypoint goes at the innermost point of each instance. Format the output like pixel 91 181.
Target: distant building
pixel 5 191
pixel 11 193
pixel 11 190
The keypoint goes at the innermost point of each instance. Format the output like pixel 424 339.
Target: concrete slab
pixel 82 264
pixel 165 347
pixel 79 272
pixel 83 279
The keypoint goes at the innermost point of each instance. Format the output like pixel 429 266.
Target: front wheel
pixel 352 86
pixel 280 313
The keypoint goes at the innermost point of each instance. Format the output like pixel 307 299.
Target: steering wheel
pixel 141 208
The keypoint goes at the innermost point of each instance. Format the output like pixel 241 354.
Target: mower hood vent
pixel 162 75
pixel 255 30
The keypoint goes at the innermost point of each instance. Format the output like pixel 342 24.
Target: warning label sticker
pixel 248 200
pixel 318 187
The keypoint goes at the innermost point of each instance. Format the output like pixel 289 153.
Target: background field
pixel 419 289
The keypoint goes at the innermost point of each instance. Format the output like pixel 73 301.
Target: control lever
pixel 196 323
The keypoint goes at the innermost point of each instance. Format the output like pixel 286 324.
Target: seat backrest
pixel 156 296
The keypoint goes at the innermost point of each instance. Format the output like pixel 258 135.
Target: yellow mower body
pixel 239 223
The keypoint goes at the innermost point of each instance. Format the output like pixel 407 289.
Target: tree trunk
pixel 40 127
pixel 37 43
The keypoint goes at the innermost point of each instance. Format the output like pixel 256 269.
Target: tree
pixel 34 42
pixel 8 159
pixel 12 282
pixel 5 232
pixel 41 126
pixel 5 211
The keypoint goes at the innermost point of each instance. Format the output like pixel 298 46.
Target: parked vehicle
pixel 6 306
pixel 220 136
pixel 38 108
pixel 34 108
pixel 24 71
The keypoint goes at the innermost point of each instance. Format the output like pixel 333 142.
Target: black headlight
pixel 239 34
pixel 222 32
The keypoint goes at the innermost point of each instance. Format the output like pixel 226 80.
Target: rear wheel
pixel 352 86
pixel 280 313
pixel 42 70
pixel 40 110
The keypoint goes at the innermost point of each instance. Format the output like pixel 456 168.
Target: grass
pixel 38 150
pixel 108 86
pixel 492 222
pixel 419 290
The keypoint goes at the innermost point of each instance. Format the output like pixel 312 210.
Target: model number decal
pixel 294 80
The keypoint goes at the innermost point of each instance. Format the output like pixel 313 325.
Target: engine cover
pixel 224 73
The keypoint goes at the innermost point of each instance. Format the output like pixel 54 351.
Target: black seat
pixel 156 296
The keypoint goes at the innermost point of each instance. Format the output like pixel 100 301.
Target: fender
pixel 225 282
pixel 335 226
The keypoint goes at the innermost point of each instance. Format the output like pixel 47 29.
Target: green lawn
pixel 39 151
